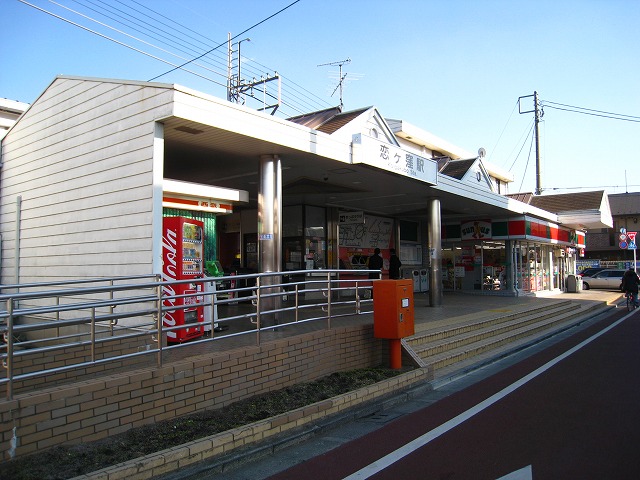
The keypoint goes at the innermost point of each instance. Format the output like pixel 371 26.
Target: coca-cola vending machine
pixel 182 259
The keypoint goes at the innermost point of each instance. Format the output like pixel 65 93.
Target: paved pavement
pixel 260 463
pixel 569 411
pixel 456 308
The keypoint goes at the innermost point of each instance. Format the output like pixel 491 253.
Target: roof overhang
pixel 586 219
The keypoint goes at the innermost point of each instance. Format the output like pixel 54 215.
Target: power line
pixel 132 37
pixel 115 41
pixel 145 23
pixel 592 187
pixel 592 112
pixel 233 38
pixel 528 132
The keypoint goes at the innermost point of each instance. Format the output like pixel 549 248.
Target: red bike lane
pixel 576 419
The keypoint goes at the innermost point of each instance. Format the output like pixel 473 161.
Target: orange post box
pixel 393 315
pixel 393 309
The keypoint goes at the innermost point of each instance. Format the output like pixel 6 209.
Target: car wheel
pixel 585 286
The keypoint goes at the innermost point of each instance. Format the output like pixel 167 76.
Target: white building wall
pixel 81 159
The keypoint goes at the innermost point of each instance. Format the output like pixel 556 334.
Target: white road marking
pixel 423 440
pixel 525 473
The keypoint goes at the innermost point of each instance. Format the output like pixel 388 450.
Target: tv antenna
pixel 341 77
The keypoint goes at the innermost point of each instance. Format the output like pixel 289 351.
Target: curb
pixel 224 443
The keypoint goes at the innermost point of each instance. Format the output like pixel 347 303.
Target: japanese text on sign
pixel 394 159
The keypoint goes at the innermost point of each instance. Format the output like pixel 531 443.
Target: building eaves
pixel 625 203
pixel 524 197
pixel 315 119
pixel 569 201
pixel 457 168
pixel 340 120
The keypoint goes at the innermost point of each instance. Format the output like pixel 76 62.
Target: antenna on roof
pixel 342 77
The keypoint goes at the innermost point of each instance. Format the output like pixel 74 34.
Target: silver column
pixel 435 253
pixel 270 230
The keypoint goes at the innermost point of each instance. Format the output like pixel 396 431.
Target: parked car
pixel 591 271
pixel 610 278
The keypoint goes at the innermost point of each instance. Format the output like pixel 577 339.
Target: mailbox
pixel 393 309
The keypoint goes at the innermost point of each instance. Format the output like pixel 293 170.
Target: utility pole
pixel 537 116
pixel 238 89
pixel 537 133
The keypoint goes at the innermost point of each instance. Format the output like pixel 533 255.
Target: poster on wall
pixel 358 240
pixel 374 232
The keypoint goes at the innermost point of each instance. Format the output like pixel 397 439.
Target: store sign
pixel 393 159
pixel 199 204
pixel 345 218
pixel 475 230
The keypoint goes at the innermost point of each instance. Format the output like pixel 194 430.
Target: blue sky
pixel 452 67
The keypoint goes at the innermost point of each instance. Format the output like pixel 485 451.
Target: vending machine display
pixel 182 259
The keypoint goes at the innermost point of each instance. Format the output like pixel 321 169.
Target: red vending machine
pixel 182 259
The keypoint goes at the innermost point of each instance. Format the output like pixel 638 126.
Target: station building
pixel 93 165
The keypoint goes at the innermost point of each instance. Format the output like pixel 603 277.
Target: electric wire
pixel 591 187
pixel 233 38
pixel 133 38
pixel 295 94
pixel 289 91
pixel 132 22
pixel 116 41
pixel 503 130
pixel 527 165
pixel 587 111
pixel 613 115
pixel 528 131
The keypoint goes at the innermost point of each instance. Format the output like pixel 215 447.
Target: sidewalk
pixel 269 459
pixel 316 435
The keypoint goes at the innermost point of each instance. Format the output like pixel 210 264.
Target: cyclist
pixel 630 282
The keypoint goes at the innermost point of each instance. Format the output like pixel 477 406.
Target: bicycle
pixel 630 301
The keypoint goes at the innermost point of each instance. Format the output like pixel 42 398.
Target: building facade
pixel 93 165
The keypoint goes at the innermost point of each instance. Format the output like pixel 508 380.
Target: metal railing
pixel 51 329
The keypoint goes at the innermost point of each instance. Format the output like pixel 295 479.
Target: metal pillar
pixel 435 253
pixel 270 230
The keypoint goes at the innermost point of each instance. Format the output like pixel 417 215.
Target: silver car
pixel 610 278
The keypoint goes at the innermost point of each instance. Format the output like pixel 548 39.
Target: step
pixel 447 331
pixel 496 339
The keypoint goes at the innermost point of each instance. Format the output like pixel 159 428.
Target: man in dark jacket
pixel 394 265
pixel 375 263
pixel 630 282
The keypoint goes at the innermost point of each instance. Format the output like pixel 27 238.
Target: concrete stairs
pixel 456 346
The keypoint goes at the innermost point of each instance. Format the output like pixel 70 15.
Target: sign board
pixel 627 240
pixel 351 218
pixel 394 159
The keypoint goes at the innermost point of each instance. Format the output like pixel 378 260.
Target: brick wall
pixel 63 356
pixel 95 409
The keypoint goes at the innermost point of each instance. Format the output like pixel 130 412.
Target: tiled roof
pixel 625 203
pixel 340 120
pixel 567 202
pixel 524 197
pixel 329 120
pixel 314 119
pixel 457 168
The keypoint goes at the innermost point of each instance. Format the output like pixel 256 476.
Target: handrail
pixel 44 319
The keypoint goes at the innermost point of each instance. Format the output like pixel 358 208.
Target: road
pixel 571 411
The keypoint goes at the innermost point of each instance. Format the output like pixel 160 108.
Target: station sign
pixel 385 156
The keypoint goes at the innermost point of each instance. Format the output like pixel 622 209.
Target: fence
pixel 60 331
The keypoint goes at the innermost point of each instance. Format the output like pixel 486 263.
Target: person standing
pixel 394 265
pixel 375 263
pixel 630 282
